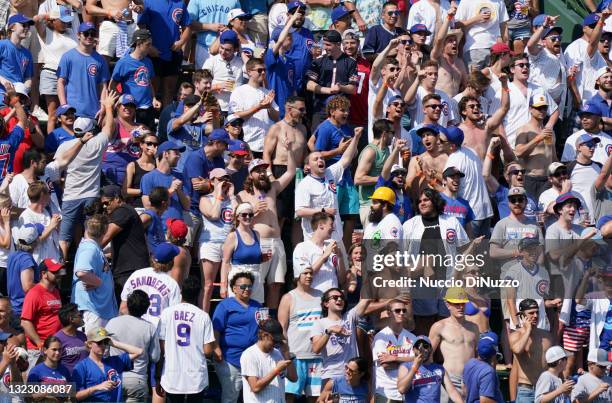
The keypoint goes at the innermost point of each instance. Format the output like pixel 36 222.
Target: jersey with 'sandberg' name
pixel 163 291
pixel 185 329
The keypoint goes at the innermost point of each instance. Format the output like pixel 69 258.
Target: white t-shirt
pixel 582 178
pixel 18 188
pixel 390 227
pixel 163 291
pixel 549 71
pixel 277 16
pixel 55 46
pixel 417 113
pixel 423 12
pixel 550 196
pixel 385 341
pixel 255 128
pixel 602 150
pixel 533 284
pixel 518 114
pixel 83 173
pixel 254 362
pixel 48 248
pixel 5 252
pixel 372 91
pixel 318 193
pixel 472 187
pixel 185 328
pixel 576 53
pixel 306 253
pixel 223 71
pixel 482 35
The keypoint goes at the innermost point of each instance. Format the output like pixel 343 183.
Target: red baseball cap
pixel 51 265
pixel 500 48
pixel 177 228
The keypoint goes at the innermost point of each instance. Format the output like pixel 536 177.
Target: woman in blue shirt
pixel 352 387
pixel 50 371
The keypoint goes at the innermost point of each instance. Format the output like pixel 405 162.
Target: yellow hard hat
pixel 456 295
pixel 385 194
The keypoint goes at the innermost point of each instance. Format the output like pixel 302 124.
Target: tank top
pixel 246 254
pixel 348 393
pixel 138 174
pixel 155 231
pixel 304 313
pixel 365 191
pixel 217 230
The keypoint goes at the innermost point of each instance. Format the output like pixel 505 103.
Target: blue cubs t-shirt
pixel 44 374
pixel 425 384
pixel 300 54
pixel 155 230
pixel 87 374
pixel 8 147
pixel 458 208
pixel 503 207
pixel 197 165
pixel 19 261
pixel 135 77
pixel 480 379
pixel 55 138
pixel 280 71
pixel 210 12
pixel 83 74
pixel 164 18
pixel 328 137
pixel 16 64
pixel 606 334
pixel 237 327
pixel 157 178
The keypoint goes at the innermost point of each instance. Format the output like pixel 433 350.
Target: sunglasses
pixel 398 104
pixel 517 171
pixel 406 42
pixel 151 144
pixel 516 199
pixel 247 215
pixel 92 34
pixel 434 106
pixel 393 13
pixel 393 69
pixel 605 39
pixel 523 65
pixel 474 106
pixel 559 174
pixel 400 310
pixel 554 38
pixel 336 298
pixel 259 70
pixel 245 286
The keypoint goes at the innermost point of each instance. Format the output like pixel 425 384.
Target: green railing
pixel 570 12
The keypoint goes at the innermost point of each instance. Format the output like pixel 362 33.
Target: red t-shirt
pixel 41 307
pixel 358 114
pixel 26 143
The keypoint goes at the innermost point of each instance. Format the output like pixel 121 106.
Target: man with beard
pixel 393 176
pixel 456 206
pixel 383 226
pixel 604 47
pixel 432 160
pixel 590 120
pixel 65 114
pixel 455 336
pixel 371 161
pixel 549 69
pixel 603 96
pixel 302 39
pixel 262 193
pixel 535 146
pixel 425 84
pixel 478 131
pixel 452 72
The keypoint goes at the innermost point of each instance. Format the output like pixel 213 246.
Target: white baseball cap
pixel 599 357
pixel 555 353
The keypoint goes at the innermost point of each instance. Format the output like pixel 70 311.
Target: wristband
pixel 600 23
pixel 490 156
pixel 506 90
pixel 220 198
pixel 450 17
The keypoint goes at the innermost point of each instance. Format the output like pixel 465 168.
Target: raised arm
pixel 438 42
pixel 603 176
pixel 186 117
pixel 490 180
pixel 109 120
pixel 380 59
pixel 498 117
pixel 286 178
pixel 596 34
pixel 133 351
pixel 277 45
pixel 351 150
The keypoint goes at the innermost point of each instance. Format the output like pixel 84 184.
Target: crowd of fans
pixel 191 190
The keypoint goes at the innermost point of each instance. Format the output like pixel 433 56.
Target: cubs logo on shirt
pixel 24 65
pixel 177 15
pixel 332 186
pixel 445 110
pixel 113 376
pixel 609 149
pixel 394 232
pixel 227 214
pixel 6 379
pixel 451 235
pixel 309 43
pixel 334 260
pixel 92 69
pixel 141 76
pixel 542 288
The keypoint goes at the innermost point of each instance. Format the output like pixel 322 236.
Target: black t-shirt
pixel 321 71
pixel 130 251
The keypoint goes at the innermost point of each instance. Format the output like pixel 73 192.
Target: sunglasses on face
pixel 336 298
pixel 245 286
pixel 474 106
pixel 516 199
pixel 393 69
pixel 554 38
pixel 92 34
pixel 400 310
pixel 151 143
pixel 247 215
pixel 259 70
pixel 523 65
pixel 517 171
pixel 605 39
pixel 393 13
pixel 406 42
pixel 434 106
pixel 398 104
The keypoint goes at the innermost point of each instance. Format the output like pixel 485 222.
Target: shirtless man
pixel 452 74
pixel 528 343
pixel 276 158
pixel 535 147
pixel 478 132
pixel 114 11
pixel 456 337
pixel 262 193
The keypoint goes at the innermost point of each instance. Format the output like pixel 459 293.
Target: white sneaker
pixel 40 114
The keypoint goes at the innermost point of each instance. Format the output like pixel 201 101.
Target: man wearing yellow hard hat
pixel 383 224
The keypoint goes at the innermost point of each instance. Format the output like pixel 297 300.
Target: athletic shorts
pixel 348 200
pixel 167 68
pixel 575 337
pixel 285 202
pixel 274 270
pixel 309 378
pixel 212 251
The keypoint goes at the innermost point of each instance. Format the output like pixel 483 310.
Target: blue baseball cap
pixel 87 26
pixel 603 220
pixel 169 145
pixel 539 20
pixel 127 99
pixel 21 19
pixel 340 12
pixel 455 135
pixel 238 147
pixel 219 135
pixel 585 138
pixel 565 198
pixel 63 110
pixel 229 36
pixel 487 345
pixel 295 4
pixel 164 252
pixel 276 33
pixel 590 19
pixel 420 28
pixel 590 109
pixel 428 128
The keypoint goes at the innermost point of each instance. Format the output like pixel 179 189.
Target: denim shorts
pixel 73 213
pixel 519 33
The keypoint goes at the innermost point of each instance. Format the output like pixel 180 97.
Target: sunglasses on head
pixel 247 215
pixel 516 199
pixel 393 13
pixel 522 65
